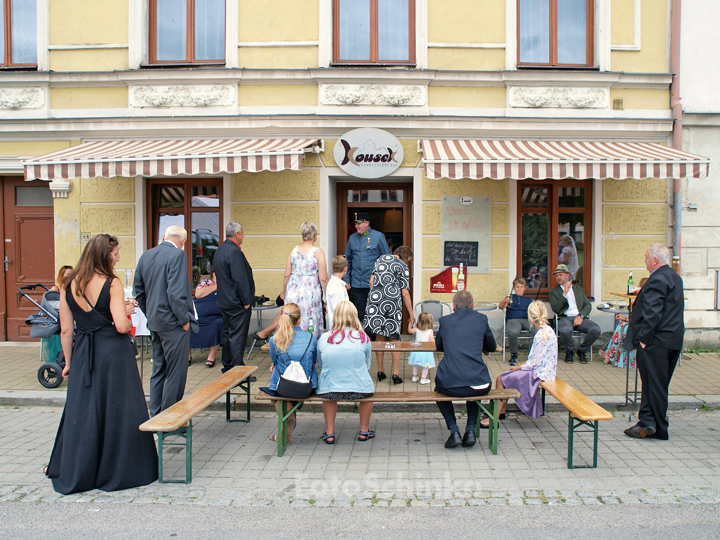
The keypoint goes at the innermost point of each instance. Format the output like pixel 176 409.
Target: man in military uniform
pixel 363 248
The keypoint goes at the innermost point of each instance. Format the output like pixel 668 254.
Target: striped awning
pixel 541 160
pixel 169 158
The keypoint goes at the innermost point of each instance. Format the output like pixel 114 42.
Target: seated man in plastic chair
pixel 516 316
pixel 572 307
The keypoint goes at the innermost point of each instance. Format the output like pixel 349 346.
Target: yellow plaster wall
pixel 89 98
pixel 33 148
pixel 466 96
pixel 466 59
pixel 616 280
pixel 89 60
pixel 67 228
pixel 411 156
pixel 653 56
pixel 433 190
pixel 639 98
pixel 627 251
pixel 88 22
pixel 649 190
pixel 278 20
pixel 112 190
pixel 269 252
pixel 277 95
pixel 275 218
pixel 634 219
pixel 278 57
pixel 303 185
pixel 267 282
pixel 116 219
pixel 622 22
pixel 467 21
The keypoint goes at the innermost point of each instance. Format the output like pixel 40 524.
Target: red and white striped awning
pixel 541 160
pixel 169 158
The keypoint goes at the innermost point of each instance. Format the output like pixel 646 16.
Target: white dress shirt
pixel 335 293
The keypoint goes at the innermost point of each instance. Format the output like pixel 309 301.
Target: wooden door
pixel 29 255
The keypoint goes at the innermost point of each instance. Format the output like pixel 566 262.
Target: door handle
pixel 7 262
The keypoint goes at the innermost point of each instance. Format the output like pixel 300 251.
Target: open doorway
pixel 389 206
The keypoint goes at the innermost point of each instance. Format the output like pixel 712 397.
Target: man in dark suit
pixel 463 336
pixel 235 295
pixel 162 289
pixel 656 330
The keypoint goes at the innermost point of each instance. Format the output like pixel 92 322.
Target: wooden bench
pixel 177 420
pixel 582 411
pixel 400 397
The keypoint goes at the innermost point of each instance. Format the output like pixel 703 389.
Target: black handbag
pixel 294 389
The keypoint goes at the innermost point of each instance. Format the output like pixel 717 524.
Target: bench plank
pixel 179 414
pixel 404 397
pixel 579 405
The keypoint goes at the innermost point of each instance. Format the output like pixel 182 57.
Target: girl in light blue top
pixel 344 362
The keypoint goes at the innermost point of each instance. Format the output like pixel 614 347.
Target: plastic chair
pixel 436 308
pixel 524 334
pixel 575 334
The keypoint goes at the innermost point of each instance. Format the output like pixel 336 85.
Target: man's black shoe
pixel 640 432
pixel 513 360
pixel 469 438
pixel 453 440
pixel 581 357
pixel 568 358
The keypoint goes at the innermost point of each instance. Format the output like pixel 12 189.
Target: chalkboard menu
pixel 456 252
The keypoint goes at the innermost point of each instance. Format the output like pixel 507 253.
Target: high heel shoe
pixel 396 379
pixel 381 375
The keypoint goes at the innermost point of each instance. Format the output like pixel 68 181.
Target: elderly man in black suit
pixel 162 290
pixel 235 295
pixel 463 336
pixel 656 330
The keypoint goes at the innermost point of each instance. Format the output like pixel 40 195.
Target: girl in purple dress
pixel 540 366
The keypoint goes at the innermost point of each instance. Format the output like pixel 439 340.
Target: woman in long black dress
pixel 98 444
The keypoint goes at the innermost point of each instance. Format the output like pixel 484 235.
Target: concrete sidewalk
pixel 695 383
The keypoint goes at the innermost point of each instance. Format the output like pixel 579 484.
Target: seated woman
pixel 291 344
pixel 615 352
pixel 209 319
pixel 344 362
pixel 540 366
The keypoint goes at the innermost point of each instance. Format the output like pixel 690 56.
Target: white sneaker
pixel 424 381
pixel 415 379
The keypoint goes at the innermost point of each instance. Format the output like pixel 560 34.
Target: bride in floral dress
pixel 306 278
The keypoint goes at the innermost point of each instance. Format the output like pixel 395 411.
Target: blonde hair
pixel 286 326
pixel 346 316
pixel 339 263
pixel 537 313
pixel 424 321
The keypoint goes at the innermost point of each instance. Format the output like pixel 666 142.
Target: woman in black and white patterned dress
pixel 389 286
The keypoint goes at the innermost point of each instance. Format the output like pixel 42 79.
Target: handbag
pixel 290 384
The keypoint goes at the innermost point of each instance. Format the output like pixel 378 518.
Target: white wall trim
pixel 513 240
pixel 421 34
pixel 226 203
pixel 510 34
pixel 43 35
pixel 278 44
pixel 597 245
pixel 232 18
pixel 435 45
pixel 326 217
pixel 74 47
pixel 417 211
pixel 603 28
pixel 637 31
pixel 137 32
pixel 325 29
pixel 140 230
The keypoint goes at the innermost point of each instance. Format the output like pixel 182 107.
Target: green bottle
pixel 631 284
pixel 311 327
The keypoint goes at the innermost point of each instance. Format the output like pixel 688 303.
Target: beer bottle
pixel 631 284
pixel 311 327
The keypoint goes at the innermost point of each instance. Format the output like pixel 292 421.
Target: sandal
pixel 210 363
pixel 326 437
pixel 366 435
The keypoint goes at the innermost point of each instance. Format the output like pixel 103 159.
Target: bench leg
pixel 245 387
pixel 282 424
pixel 573 424
pixel 185 433
pixel 493 424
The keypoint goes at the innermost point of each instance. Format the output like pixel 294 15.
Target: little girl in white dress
pixel 424 359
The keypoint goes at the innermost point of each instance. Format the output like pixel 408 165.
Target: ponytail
pixel 286 326
pixel 537 313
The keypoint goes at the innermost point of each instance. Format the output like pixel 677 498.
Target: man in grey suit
pixel 162 289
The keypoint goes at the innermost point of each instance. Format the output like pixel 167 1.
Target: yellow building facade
pixel 287 70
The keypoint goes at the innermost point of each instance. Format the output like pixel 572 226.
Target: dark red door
pixel 29 254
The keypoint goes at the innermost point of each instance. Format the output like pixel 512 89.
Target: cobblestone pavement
pixel 406 465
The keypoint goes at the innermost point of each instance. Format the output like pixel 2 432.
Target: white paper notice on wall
pixel 466 232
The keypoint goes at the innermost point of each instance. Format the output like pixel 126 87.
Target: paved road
pixel 40 521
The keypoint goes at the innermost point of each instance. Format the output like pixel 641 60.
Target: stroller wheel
pixel 50 375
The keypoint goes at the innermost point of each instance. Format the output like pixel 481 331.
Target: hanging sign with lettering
pixel 466 232
pixel 368 153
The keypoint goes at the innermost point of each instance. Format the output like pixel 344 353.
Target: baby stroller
pixel 46 326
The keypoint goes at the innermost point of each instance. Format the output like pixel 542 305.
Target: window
pixel 554 227
pixel 18 42
pixel 374 32
pixel 555 33
pixel 187 31
pixel 196 206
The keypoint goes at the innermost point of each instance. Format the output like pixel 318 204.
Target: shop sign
pixel 466 232
pixel 368 153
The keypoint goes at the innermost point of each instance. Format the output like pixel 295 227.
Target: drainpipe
pixel 677 126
